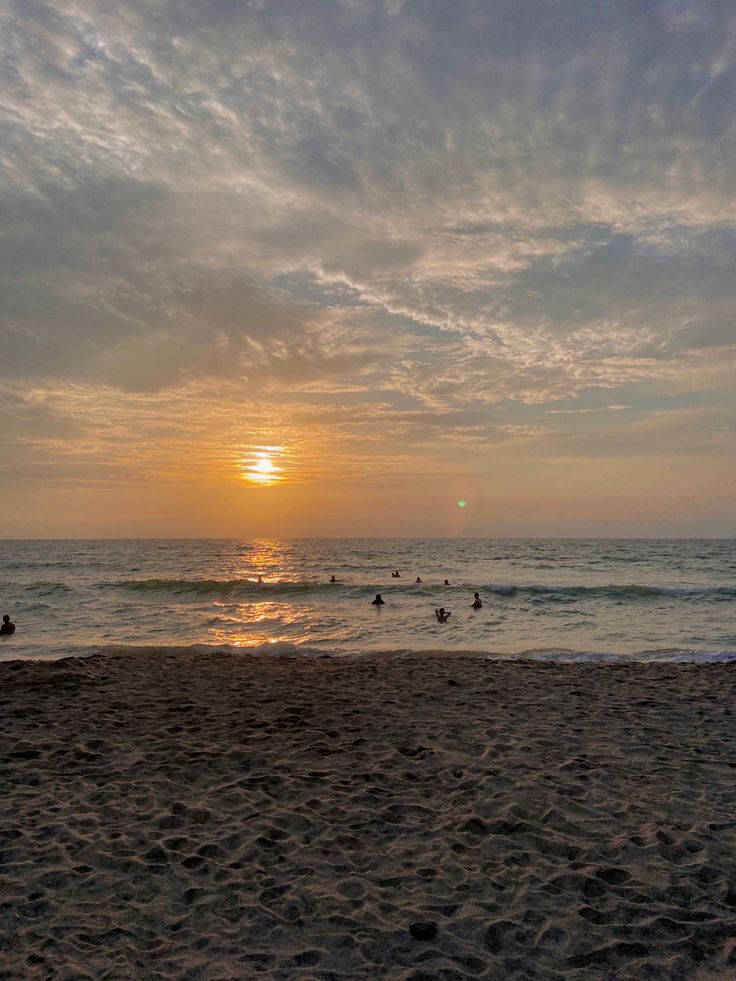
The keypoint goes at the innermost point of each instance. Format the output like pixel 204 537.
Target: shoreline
pixel 286 649
pixel 231 815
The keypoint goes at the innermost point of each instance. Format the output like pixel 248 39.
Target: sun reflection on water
pixel 263 559
pixel 240 627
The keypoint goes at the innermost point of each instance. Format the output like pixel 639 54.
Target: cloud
pixel 439 210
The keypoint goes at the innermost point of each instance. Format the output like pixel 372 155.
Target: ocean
pixel 557 600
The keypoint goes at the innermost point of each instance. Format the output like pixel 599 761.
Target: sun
pixel 264 465
pixel 259 468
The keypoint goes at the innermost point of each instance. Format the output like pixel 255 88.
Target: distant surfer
pixel 477 602
pixel 442 615
pixel 378 601
pixel 8 626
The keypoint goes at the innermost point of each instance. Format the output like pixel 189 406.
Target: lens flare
pixel 462 504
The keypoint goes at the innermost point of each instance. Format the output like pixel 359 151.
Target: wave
pixel 58 652
pixel 247 588
pixel 41 588
pixel 221 587
pixel 289 649
pixel 616 591
pixel 663 656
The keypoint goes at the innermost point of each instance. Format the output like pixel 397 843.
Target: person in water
pixel 477 602
pixel 332 579
pixel 442 615
pixel 8 626
pixel 418 580
pixel 378 601
pixel 260 579
pixel 396 574
pixel 447 582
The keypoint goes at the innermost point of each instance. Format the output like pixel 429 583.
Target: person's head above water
pixel 447 582
pixel 8 626
pixel 418 579
pixel 378 601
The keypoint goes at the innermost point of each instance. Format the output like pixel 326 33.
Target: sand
pixel 177 816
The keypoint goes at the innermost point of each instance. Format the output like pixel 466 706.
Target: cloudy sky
pixel 315 267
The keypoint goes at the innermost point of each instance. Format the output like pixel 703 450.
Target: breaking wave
pixel 560 656
pixel 247 588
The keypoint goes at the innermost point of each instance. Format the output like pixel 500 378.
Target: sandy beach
pixel 434 816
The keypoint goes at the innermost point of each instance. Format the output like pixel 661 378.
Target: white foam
pixel 289 649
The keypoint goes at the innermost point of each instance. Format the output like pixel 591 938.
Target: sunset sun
pixel 259 468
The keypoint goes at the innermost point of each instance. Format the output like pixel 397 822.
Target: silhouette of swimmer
pixel 332 579
pixel 442 615
pixel 477 602
pixel 396 574
pixel 417 580
pixel 378 601
pixel 8 626
pixel 446 583
pixel 259 579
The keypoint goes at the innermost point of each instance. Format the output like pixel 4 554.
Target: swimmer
pixel 8 626
pixel 477 602
pixel 332 579
pixel 378 601
pixel 418 581
pixel 442 615
pixel 259 579
pixel 396 575
pixel 446 582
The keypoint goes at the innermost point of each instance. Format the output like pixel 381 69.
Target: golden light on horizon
pixel 259 467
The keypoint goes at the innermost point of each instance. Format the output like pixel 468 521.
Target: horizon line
pixel 385 538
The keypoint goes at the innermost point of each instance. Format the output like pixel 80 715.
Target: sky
pixel 328 267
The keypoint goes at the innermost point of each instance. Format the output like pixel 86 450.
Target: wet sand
pixel 180 816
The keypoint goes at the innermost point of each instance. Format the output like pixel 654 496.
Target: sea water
pixel 545 599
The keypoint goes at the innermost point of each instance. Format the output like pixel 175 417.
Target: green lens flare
pixel 462 504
